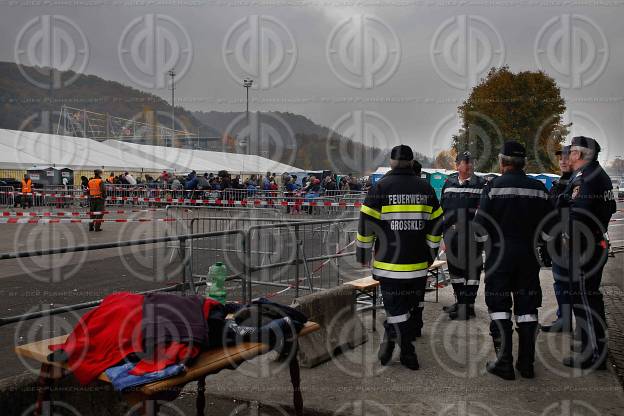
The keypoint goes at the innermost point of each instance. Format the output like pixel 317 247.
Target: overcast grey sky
pixel 402 66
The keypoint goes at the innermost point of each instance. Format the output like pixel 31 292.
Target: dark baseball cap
pixel 586 143
pixel 467 156
pixel 565 151
pixel 402 152
pixel 513 148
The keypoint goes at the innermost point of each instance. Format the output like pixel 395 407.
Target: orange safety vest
pixel 95 188
pixel 26 186
pixel 111 179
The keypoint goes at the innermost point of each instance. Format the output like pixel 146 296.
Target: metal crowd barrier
pixel 7 196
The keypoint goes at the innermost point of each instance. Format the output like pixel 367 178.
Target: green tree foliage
pixel 525 106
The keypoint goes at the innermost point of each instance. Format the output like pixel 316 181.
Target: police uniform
pixel 511 209
pixel 399 222
pixel 591 203
pixel 97 201
pixel 564 312
pixel 459 201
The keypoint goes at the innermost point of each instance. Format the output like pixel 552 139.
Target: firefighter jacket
pixel 400 220
pixel 460 201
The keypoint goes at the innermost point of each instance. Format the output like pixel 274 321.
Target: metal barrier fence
pixel 264 252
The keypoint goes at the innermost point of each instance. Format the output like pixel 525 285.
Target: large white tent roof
pixel 24 149
pixel 33 148
pixel 202 160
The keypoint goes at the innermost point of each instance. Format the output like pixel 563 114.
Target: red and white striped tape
pixel 71 213
pixel 244 202
pixel 79 220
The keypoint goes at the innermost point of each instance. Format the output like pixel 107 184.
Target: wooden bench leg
pixel 200 402
pixel 295 379
pixel 374 309
pixel 44 383
pixel 149 407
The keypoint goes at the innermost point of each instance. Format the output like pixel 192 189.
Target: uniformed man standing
pixel 511 209
pixel 27 192
pixel 97 200
pixel 589 197
pixel 399 219
pixel 563 323
pixel 460 198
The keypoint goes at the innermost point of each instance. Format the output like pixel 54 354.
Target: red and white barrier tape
pixel 71 213
pixel 244 202
pixel 79 220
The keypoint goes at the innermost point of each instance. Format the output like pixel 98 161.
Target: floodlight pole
pixel 172 75
pixel 247 83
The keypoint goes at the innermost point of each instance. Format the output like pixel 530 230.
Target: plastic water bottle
pixel 217 274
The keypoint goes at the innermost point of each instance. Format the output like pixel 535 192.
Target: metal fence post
pixel 297 261
pixel 248 267
pixel 185 281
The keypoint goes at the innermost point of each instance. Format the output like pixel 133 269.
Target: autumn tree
pixel 445 159
pixel 525 106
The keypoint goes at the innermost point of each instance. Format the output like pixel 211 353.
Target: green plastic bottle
pixel 216 282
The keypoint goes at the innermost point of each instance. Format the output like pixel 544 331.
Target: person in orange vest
pixel 97 200
pixel 111 178
pixel 26 197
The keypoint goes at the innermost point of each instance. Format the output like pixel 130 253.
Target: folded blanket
pixel 121 375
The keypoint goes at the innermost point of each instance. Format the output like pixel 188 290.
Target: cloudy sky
pixel 381 71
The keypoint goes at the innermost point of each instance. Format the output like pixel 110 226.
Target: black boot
pixel 462 313
pixel 449 309
pixel 503 366
pixel 408 356
pixel 527 335
pixel 559 325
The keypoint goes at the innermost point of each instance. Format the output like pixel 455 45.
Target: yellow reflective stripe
pixel 370 211
pixel 365 239
pixel 407 208
pixel 436 214
pixel 433 238
pixel 400 267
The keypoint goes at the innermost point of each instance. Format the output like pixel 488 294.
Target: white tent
pixel 23 149
pixel 202 160
pixel 32 148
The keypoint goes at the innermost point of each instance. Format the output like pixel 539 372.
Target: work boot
pixel 579 362
pixel 408 356
pixel 462 313
pixel 91 226
pixel 449 309
pixel 385 351
pixel 503 366
pixel 527 335
pixel 558 326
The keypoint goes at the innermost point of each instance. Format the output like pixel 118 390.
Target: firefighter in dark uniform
pixel 400 220
pixel 563 323
pixel 511 209
pixel 97 200
pixel 591 203
pixel 460 198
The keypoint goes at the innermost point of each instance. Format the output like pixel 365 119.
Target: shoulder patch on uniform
pixel 575 191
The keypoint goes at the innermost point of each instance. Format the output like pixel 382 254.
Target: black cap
pixel 565 151
pixel 463 156
pixel 513 148
pixel 402 152
pixel 586 142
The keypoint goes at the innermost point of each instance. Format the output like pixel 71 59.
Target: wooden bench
pixel 370 287
pixel 208 362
